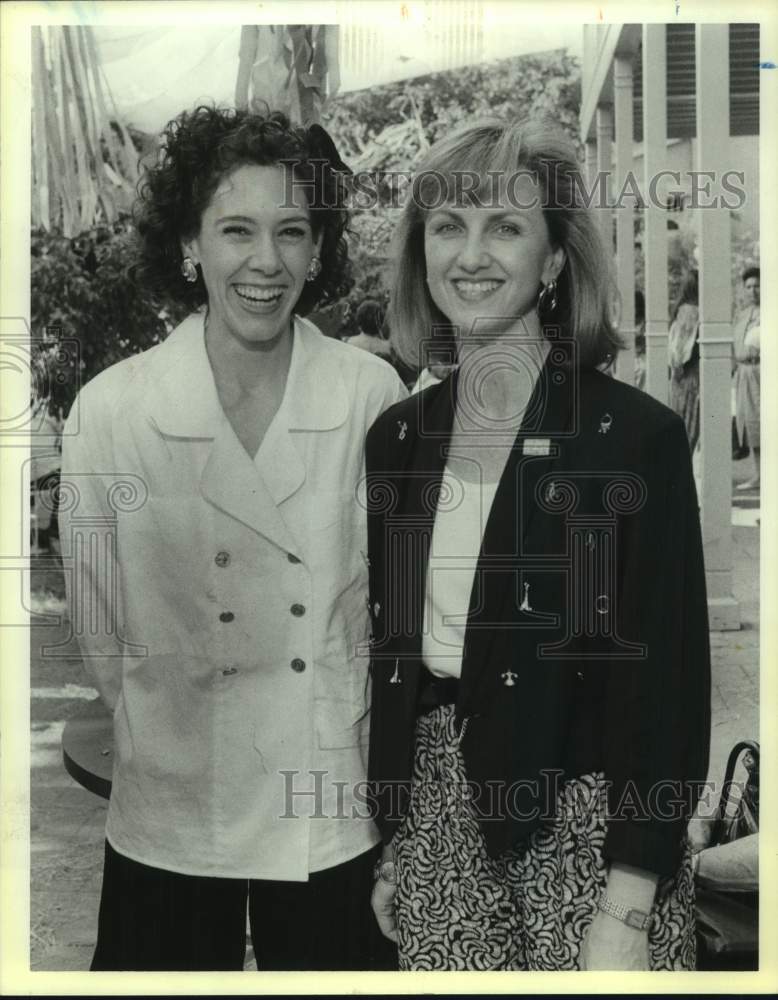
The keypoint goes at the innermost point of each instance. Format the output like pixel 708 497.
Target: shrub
pixel 81 290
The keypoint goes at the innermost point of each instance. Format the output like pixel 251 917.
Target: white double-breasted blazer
pixel 220 605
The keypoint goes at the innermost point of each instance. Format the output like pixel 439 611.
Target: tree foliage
pixel 509 88
pixel 83 295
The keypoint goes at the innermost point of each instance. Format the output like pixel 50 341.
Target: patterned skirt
pixel 530 908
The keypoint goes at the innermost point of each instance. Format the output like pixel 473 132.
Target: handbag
pixel 726 874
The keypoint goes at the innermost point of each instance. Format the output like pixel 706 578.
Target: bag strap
pixel 720 826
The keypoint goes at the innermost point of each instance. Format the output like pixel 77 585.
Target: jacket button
pixel 222 559
pixel 292 558
pixel 226 616
pixel 298 665
pixel 297 610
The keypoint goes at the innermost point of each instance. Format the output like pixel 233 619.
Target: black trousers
pixel 155 920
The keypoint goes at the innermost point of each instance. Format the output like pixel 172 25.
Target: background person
pixel 745 332
pixel 684 358
pixel 370 321
pixel 441 360
pixel 485 678
pixel 232 589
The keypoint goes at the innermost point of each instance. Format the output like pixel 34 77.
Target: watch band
pixel 385 871
pixel 631 917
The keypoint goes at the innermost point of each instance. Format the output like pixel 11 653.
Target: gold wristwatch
pixel 631 917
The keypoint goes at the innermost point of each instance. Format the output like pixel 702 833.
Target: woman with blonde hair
pixel 540 662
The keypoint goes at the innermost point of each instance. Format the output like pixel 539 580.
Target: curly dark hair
pixel 198 149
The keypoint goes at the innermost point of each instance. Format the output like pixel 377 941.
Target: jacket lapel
pixel 305 407
pixel 422 443
pixel 232 482
pixel 183 403
pixel 515 527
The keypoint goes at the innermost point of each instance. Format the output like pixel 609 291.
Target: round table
pixel 87 748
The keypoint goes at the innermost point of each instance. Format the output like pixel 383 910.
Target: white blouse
pixel 460 519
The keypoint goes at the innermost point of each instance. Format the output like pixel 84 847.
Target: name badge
pixel 537 446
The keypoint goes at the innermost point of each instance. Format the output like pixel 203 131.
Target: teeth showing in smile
pixel 475 289
pixel 255 294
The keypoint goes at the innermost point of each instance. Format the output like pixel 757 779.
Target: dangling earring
pixel 314 269
pixel 189 270
pixel 547 298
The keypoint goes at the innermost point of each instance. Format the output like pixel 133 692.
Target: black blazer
pixel 586 647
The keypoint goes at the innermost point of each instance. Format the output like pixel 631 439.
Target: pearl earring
pixel 189 270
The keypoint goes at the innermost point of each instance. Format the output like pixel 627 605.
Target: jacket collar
pixel 183 401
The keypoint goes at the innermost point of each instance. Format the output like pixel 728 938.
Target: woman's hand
pixel 383 901
pixel 611 944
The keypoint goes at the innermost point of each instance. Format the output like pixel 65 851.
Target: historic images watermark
pixel 34 369
pixel 31 367
pixel 586 562
pixel 366 190
pixel 524 800
pixel 90 506
pixel 579 614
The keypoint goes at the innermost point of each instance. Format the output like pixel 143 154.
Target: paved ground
pixel 67 822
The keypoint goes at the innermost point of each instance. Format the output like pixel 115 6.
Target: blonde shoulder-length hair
pixel 470 161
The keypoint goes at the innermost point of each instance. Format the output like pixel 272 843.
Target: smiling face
pixel 254 247
pixel 485 264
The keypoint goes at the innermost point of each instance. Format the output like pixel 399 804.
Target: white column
pixel 625 233
pixel 591 162
pixel 655 234
pixel 605 166
pixel 712 87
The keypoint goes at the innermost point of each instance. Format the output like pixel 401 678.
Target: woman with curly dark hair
pixel 228 610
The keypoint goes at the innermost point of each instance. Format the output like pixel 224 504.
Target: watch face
pixel 637 919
